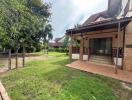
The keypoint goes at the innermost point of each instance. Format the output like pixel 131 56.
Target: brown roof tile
pixel 94 17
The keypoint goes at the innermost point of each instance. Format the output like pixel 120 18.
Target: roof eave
pixel 97 25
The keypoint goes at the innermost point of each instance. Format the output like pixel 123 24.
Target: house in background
pixel 58 43
pixel 106 37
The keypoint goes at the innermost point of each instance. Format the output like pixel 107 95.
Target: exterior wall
pixel 105 35
pixel 128 48
pixel 115 40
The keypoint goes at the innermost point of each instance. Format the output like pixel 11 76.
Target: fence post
pixel 23 56
pixel 9 59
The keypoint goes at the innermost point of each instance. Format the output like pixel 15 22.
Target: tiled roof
pixel 55 44
pixel 57 39
pixel 94 17
pixel 115 11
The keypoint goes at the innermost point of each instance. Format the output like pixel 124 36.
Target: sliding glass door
pixel 101 46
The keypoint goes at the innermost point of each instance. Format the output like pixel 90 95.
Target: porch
pixel 122 75
pixel 107 38
pixel 101 47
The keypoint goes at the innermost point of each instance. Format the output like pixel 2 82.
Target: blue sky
pixel 67 13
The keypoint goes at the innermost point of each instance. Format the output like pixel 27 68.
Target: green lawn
pixel 1 65
pixel 51 80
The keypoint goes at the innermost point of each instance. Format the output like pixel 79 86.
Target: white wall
pixel 119 61
pixel 76 56
pixel 85 57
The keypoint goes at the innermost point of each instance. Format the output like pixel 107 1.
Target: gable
pixel 94 17
pixel 100 19
pixel 130 6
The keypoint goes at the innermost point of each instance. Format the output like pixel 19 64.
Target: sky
pixel 67 13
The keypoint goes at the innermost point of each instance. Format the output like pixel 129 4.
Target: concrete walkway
pixel 122 75
pixel 3 93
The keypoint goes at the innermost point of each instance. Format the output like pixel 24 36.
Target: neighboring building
pixel 106 37
pixel 58 43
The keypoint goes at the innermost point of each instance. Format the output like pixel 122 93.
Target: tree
pixel 46 36
pixel 66 44
pixel 21 22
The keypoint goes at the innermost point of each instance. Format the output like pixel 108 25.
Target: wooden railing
pixel 76 50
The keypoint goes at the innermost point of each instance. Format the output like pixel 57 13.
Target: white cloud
pixel 67 13
pixel 85 8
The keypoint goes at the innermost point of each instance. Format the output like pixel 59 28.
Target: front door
pixel 101 46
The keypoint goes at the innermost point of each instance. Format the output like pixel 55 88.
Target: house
pixel 105 37
pixel 58 42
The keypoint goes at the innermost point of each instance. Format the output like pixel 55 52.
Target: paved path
pixel 3 93
pixel 122 75
pixel 3 69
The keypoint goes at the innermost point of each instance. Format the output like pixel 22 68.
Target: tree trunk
pixel 17 58
pixel 9 59
pixel 45 51
pixel 44 47
pixel 23 56
pixel 47 48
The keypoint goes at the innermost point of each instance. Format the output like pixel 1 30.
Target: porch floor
pixel 125 76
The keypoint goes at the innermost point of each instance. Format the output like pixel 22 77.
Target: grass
pixel 1 65
pixel 51 80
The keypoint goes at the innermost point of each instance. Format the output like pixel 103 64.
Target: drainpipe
pixel 117 53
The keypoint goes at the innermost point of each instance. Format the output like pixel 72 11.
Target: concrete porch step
pixel 101 59
pixel 102 64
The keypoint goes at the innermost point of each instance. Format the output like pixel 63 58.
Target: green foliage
pixel 21 22
pixel 66 42
pixel 62 50
pixel 46 36
pixel 77 43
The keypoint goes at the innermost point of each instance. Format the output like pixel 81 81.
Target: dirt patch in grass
pixel 4 61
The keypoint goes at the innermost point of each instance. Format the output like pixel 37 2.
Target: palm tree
pixel 47 35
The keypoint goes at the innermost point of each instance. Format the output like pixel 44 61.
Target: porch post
pixel 117 53
pixel 81 49
pixel 88 40
pixel 70 49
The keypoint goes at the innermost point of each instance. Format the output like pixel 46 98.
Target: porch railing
pixel 76 50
